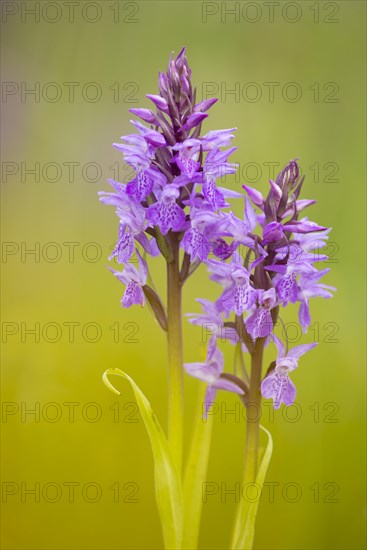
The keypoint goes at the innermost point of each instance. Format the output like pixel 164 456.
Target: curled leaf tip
pixel 107 382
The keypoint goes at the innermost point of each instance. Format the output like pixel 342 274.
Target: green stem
pixel 175 428
pixel 252 429
pixel 254 413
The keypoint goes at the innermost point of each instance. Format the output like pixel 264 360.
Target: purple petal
pixel 205 105
pixel 255 196
pixel 300 204
pixel 140 187
pixel 133 295
pixel 196 245
pixel 227 385
pixel 212 348
pixel 125 246
pixel 143 269
pixel 278 387
pixel 159 102
pixel 304 316
pixel 119 187
pixel 300 350
pixel 289 393
pixel 132 273
pixel 167 215
pixel 202 371
pixel 151 136
pixel 145 114
pixel 187 165
pixel 276 191
pixel 229 193
pixel 303 226
pixel 244 298
pixel 209 398
pixel 260 323
pixel 194 120
pixel 213 195
pixel 287 288
pixel 150 246
pixel 280 346
pixel 216 358
pixel 218 138
pixel 249 215
pixel 221 249
pixel 268 299
pixel 273 232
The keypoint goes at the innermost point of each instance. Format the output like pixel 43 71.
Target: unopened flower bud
pixel 194 120
pixel 289 175
pixel 146 115
pixel 159 102
pixel 162 84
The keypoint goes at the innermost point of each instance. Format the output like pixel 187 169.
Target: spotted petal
pixel 133 295
pixel 260 323
pixel 196 244
pixel 287 289
pixel 214 197
pixel 125 246
pixel 167 214
pixel 280 388
pixel 140 186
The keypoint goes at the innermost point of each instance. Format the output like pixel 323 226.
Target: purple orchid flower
pixel 136 150
pixel 217 138
pixel 274 231
pixel 216 166
pixel 134 279
pixel 294 260
pixel 277 385
pixel 286 279
pixel 166 213
pixel 210 373
pixel 238 294
pixel 311 241
pixel 144 182
pixel 186 158
pixel 125 245
pixel 206 228
pixel 152 137
pixel 239 229
pixel 212 322
pixel 260 323
pixel 309 287
pixel 132 223
pixel 222 249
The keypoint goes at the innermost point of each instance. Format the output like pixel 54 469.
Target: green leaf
pixel 156 305
pixel 168 487
pixel 248 510
pixel 195 475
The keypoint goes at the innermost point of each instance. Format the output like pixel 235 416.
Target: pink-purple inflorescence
pixel 263 261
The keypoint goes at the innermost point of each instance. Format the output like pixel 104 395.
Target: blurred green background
pixel 318 466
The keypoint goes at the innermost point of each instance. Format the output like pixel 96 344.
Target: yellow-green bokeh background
pixel 305 452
